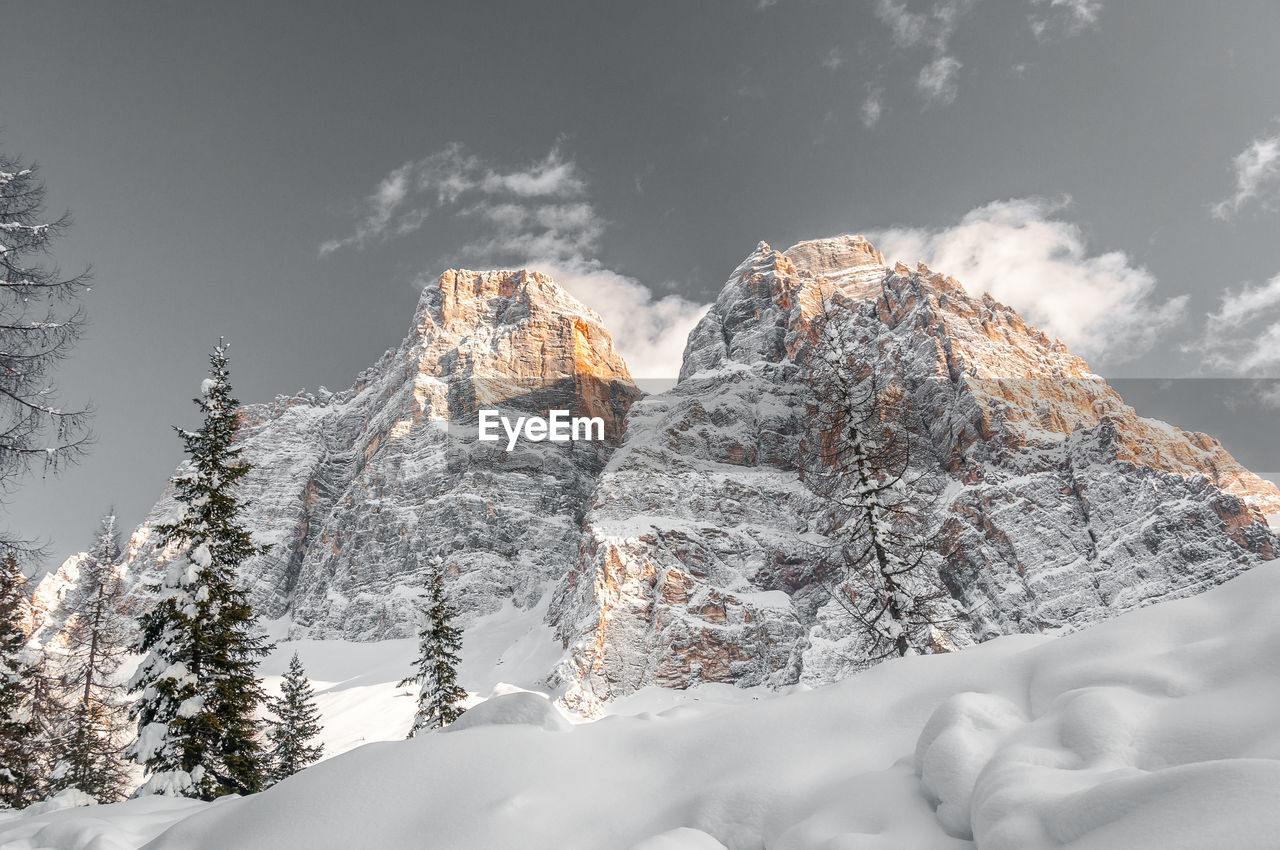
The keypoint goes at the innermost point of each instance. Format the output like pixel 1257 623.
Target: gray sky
pixel 1109 168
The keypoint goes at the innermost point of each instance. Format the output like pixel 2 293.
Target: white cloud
pixel 405 198
pixel 932 29
pixel 538 217
pixel 872 107
pixel 379 208
pixel 650 332
pixel 1066 16
pixel 552 177
pixel 833 60
pixel 1243 335
pixel 1024 255
pixel 1257 170
pixel 937 80
pixel 912 29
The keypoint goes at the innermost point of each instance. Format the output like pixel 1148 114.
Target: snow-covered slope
pixel 1156 729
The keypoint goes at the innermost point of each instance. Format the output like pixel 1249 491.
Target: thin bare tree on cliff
pixel 99 632
pixel 40 322
pixel 875 506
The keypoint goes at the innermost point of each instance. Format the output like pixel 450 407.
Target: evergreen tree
pixel 197 732
pixel 295 726
pixel 877 505
pixel 20 769
pixel 98 632
pixel 440 697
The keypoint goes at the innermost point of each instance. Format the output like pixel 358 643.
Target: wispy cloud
pixel 1025 254
pixel 404 199
pixel 933 29
pixel 650 332
pixel 1068 17
pixel 912 29
pixel 1243 335
pixel 537 216
pixel 872 107
pixel 833 60
pixel 1257 171
pixel 937 80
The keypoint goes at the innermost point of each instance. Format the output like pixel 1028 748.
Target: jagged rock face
pixel 46 618
pixel 680 557
pixel 355 491
pixel 43 617
pixel 1064 506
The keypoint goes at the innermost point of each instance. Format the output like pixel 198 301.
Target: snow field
pixel 1156 729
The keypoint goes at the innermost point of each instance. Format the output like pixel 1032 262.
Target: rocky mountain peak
pixel 515 338
pixel 849 261
pixel 671 552
pixel 462 300
pixel 356 489
pixel 522 315
pixel 1063 506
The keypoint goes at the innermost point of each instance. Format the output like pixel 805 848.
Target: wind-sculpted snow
pixel 1156 730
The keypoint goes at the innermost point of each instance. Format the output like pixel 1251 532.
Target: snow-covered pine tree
pixel 196 714
pixel 20 770
pixel 98 633
pixel 295 725
pixel 440 697
pixel 876 507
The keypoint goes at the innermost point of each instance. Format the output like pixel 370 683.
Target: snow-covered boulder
pixel 683 838
pixel 521 708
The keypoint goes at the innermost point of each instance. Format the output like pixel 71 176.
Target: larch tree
pixel 98 634
pixel 41 320
pixel 875 505
pixel 440 697
pixel 199 692
pixel 295 725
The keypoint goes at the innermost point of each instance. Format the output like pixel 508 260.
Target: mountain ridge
pixel 668 555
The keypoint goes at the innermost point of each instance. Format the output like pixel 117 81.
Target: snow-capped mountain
pixel 355 490
pixel 672 552
pixel 1063 506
